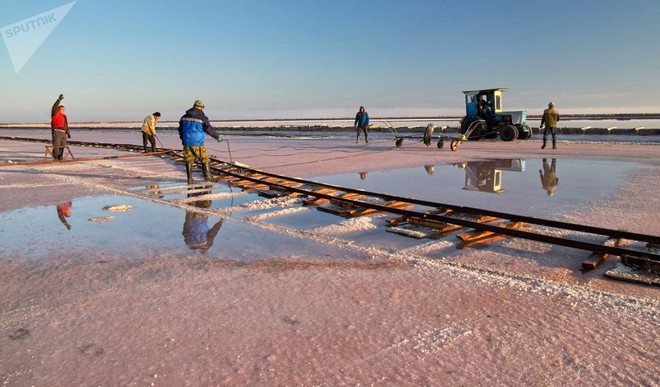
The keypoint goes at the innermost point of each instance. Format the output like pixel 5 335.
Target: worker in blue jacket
pixel 193 128
pixel 361 122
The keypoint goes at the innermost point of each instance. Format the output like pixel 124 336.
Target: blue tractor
pixel 485 118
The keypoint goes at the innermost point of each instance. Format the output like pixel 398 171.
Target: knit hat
pixel 551 104
pixel 199 103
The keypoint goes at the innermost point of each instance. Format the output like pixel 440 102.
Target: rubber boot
pixel 554 143
pixel 189 171
pixel 207 172
pixel 543 146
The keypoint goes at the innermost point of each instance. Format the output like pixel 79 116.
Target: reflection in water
pixel 486 176
pixel 430 169
pixel 154 191
pixel 363 175
pixel 549 179
pixel 63 212
pixel 196 232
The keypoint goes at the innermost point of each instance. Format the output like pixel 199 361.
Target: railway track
pixel 472 226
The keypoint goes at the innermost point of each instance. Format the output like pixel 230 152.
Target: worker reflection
pixel 196 232
pixel 363 175
pixel 430 169
pixel 154 191
pixel 549 178
pixel 63 212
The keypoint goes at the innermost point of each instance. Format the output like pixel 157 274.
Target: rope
pixel 82 159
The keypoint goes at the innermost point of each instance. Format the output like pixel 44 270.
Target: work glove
pixel 68 135
pixel 219 139
pixel 61 96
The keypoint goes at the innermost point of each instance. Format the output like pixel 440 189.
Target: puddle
pixel 37 233
pixel 521 186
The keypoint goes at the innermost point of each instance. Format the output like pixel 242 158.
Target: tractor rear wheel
pixel 441 143
pixel 529 133
pixel 509 133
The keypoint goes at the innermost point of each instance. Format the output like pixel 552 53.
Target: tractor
pixel 485 118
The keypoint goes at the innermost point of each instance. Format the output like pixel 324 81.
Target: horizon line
pixel 572 115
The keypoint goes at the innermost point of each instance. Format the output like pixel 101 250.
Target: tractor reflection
pixel 486 176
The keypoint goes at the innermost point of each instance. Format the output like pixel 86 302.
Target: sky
pixel 122 60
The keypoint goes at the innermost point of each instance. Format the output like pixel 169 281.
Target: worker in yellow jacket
pixel 149 131
pixel 550 119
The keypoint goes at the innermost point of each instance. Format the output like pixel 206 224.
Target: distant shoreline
pixel 320 129
pixel 564 117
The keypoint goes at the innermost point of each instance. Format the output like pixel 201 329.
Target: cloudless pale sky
pixel 121 60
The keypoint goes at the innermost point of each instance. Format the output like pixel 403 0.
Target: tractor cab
pixel 476 101
pixel 484 117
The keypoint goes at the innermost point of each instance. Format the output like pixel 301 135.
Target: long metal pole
pixel 229 150
pixel 160 143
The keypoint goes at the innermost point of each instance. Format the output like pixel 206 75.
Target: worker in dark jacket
pixel 550 119
pixel 193 128
pixel 59 125
pixel 361 123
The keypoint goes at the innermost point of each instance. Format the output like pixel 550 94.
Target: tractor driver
pixel 485 111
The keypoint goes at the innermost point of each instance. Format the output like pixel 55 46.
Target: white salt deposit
pixel 363 223
pixel 101 219
pixel 118 208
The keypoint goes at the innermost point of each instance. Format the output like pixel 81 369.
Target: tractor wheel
pixel 529 133
pixel 509 133
pixel 476 133
pixel 398 142
pixel 454 145
pixel 441 143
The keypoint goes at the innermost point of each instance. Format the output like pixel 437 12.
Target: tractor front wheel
pixel 454 145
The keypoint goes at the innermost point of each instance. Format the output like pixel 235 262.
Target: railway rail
pixel 640 251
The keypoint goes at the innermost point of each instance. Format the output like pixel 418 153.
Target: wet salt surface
pixel 515 315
